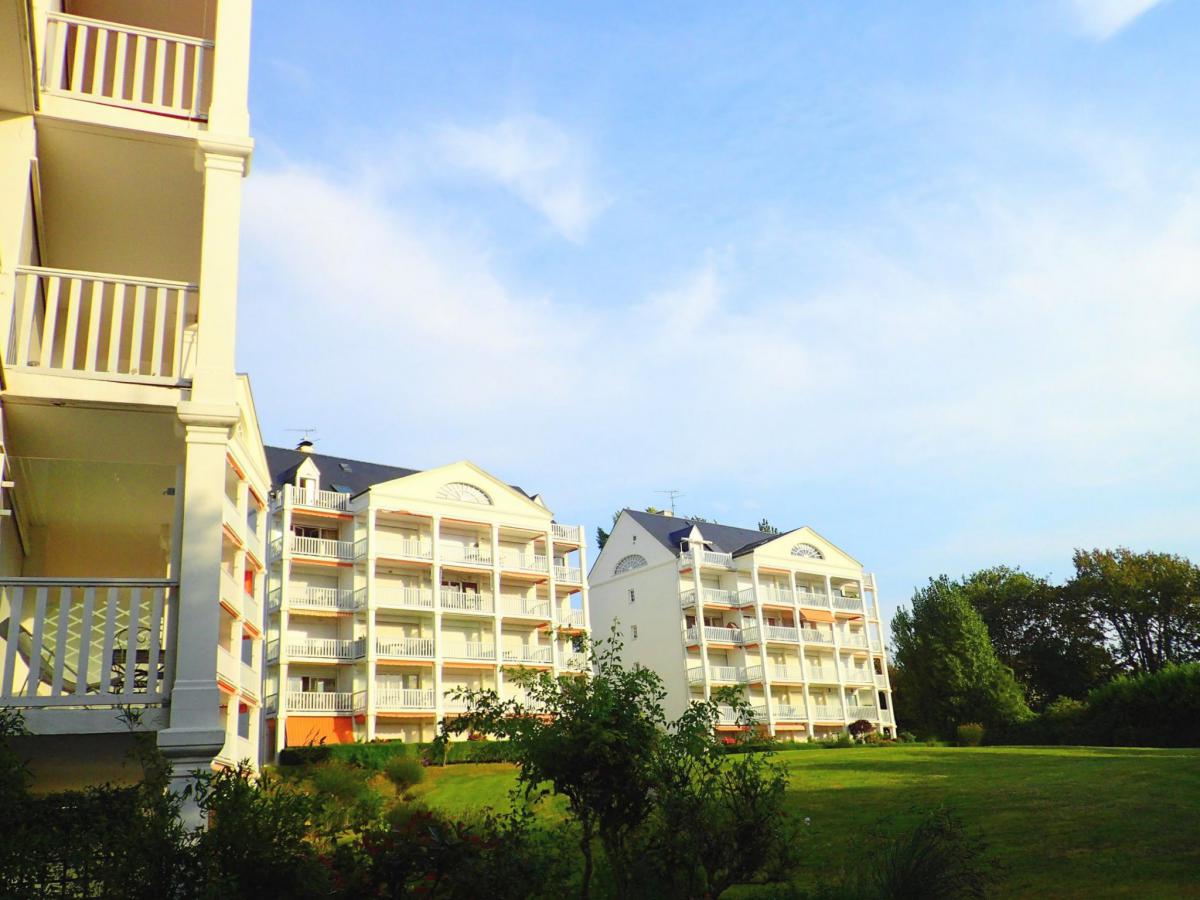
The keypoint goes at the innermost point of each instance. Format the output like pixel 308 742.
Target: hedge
pixel 376 755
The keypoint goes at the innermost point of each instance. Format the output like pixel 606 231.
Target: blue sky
pixel 922 276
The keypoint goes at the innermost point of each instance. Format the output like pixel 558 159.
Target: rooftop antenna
pixel 672 494
pixel 304 445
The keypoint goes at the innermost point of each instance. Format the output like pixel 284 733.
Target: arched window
pixel 807 551
pixel 466 493
pixel 629 563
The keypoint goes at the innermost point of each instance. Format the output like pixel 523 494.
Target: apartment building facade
pixel 134 484
pixel 788 619
pixel 390 588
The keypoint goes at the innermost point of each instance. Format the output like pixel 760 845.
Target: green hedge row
pixel 375 756
pixel 1161 709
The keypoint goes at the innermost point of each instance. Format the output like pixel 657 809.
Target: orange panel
pixel 817 615
pixel 302 730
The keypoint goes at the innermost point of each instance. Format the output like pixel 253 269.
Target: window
pixel 629 563
pixel 633 631
pixel 463 492
pixel 632 595
pixel 313 684
pixel 807 551
pixel 882 700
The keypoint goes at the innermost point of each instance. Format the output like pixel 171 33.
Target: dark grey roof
pixel 351 476
pixel 669 531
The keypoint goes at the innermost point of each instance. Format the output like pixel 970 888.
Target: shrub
pixel 907 737
pixel 834 743
pixel 375 756
pixel 1157 709
pixel 404 772
pixel 872 737
pixel 935 860
pixel 304 756
pixel 970 734
pixel 860 727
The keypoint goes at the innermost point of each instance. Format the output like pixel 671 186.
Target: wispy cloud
pixel 540 163
pixel 1102 19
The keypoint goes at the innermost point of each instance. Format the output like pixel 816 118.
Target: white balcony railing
pixel 325 648
pixel 409 648
pixel 108 327
pixel 726 715
pixel 572 533
pixel 855 675
pixel 827 712
pixel 572 617
pixel 322 548
pixel 735 674
pixel 781 633
pixel 252 610
pixel 862 712
pixel 787 711
pixel 402 548
pixel 852 604
pixel 398 699
pixel 402 597
pixel 816 599
pixel 465 601
pixel 235 521
pixel 695 675
pixel 568 574
pixel 576 662
pixel 854 639
pixel 336 501
pixel 320 598
pixel 773 596
pixel 714 634
pixel 880 680
pixel 539 655
pixel 320 702
pixel 84 642
pixel 471 650
pixel 251 681
pixel 712 597
pixel 523 606
pixel 821 674
pixel 784 673
pixel 754 674
pixel 254 541
pixel 816 636
pixel 472 556
pixel 121 65
pixel 228 667
pixel 525 562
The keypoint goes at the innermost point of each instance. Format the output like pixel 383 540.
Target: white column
pixel 552 589
pixel 805 682
pixel 368 612
pixel 768 701
pixel 583 586
pixel 837 651
pixel 497 615
pixel 227 112
pixel 435 526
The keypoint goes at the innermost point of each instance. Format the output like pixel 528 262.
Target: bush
pixel 842 740
pixel 404 772
pixel 907 737
pixel 969 734
pixel 304 756
pixel 860 728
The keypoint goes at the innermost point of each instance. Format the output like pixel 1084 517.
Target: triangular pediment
pixel 463 485
pixel 805 545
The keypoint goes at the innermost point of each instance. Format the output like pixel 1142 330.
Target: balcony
pixel 573 618
pixel 401 598
pixel 854 639
pixel 466 602
pixel 827 712
pixel 121 65
pixel 228 668
pixel 851 604
pixel 788 712
pixel 538 656
pixel 252 610
pixel 715 635
pixel 389 699
pixel 83 642
pixel 769 596
pixel 858 676
pixel 568 574
pixel 710 597
pixel 254 542
pixel 730 674
pixel 570 533
pixel 577 662
pixel 784 673
pixel 471 556
pixel 814 599
pixel 523 606
pixel 334 501
pixel 473 650
pixel 773 633
pixel 233 520
pixel 326 649
pixel 318 599
pixel 816 636
pixel 705 558
pixel 822 675
pixel 321 548
pixel 250 681
pixel 862 712
pixel 405 648
pixel 106 327
pixel 880 680
pixel 341 703
pixel 727 715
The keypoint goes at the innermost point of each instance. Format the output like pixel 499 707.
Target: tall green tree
pixel 950 670
pixel 1148 605
pixel 1054 646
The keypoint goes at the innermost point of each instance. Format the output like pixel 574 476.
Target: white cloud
pixel 540 163
pixel 1102 19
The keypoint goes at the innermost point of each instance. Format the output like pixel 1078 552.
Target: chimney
pixel 305 446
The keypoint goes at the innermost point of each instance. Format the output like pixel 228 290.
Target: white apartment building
pixel 789 619
pixel 390 588
pixel 134 483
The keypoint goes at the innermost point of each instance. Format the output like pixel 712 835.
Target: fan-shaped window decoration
pixel 467 493
pixel 629 563
pixel 808 551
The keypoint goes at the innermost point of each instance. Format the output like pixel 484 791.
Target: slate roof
pixel 669 531
pixel 352 476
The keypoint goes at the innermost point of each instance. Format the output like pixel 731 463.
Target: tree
pixel 950 670
pixel 1053 645
pixel 1147 604
pixel 589 740
pixel 766 527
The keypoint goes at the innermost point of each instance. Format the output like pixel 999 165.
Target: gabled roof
pixel 351 476
pixel 669 531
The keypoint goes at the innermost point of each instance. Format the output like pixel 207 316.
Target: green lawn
pixel 1062 821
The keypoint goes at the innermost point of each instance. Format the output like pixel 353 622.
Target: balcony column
pixel 435 578
pixel 837 651
pixel 552 589
pixel 583 585
pixel 768 700
pixel 372 656
pixel 194 735
pixel 497 613
pixel 700 633
pixel 16 135
pixel 227 111
pixel 805 683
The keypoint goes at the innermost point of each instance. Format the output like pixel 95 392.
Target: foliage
pixel 1053 645
pixel 1148 605
pixel 404 772
pixel 950 671
pixel 937 859
pixel 969 734
pixel 766 527
pixel 345 799
pixel 860 728
pixel 307 755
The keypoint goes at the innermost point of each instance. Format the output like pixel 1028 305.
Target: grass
pixel 1060 821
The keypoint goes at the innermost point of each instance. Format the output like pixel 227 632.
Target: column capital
pixel 224 153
